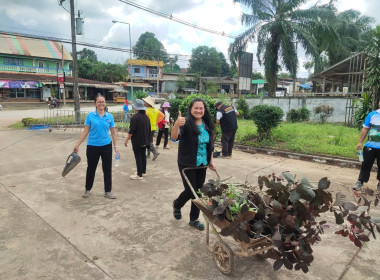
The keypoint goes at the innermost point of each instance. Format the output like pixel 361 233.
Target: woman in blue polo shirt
pixel 195 149
pixel 97 126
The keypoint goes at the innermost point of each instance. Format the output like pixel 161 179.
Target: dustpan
pixel 71 162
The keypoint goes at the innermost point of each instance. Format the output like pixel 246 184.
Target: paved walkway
pixel 48 231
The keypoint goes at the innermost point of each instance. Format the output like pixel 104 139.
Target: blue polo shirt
pixel 372 122
pixel 99 128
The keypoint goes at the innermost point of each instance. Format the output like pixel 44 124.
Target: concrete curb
pixel 336 161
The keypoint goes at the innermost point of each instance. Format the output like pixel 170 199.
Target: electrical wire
pixel 171 17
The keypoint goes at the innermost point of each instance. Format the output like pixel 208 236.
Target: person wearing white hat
pixel 163 126
pixel 155 116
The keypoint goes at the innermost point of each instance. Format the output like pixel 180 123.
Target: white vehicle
pixel 1 107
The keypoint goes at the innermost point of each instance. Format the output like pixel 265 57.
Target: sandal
pixel 177 212
pixel 197 224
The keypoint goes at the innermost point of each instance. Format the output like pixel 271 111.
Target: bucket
pixel 71 162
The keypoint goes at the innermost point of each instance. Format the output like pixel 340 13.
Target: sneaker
pixel 155 156
pixel 136 177
pixel 109 195
pixel 166 148
pixel 358 186
pixel 378 187
pixel 144 174
pixel 223 156
pixel 86 194
pixel 157 147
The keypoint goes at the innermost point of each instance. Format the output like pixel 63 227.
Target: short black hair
pixel 218 103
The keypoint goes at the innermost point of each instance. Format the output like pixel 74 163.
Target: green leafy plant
pixel 266 118
pixel 298 115
pixel 362 107
pixel 242 107
pixel 29 121
pixel 210 102
pixel 288 210
pixel 174 106
pixel 323 112
pixel 140 94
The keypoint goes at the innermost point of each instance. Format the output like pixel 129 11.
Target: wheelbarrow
pixel 222 253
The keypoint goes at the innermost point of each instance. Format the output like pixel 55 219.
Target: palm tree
pixel 279 25
pixel 353 33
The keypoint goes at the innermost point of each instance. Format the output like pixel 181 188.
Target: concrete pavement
pixel 48 231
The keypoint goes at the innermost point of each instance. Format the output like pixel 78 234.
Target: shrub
pixel 299 115
pixel 362 107
pixel 139 94
pixel 292 116
pixel 29 121
pixel 266 118
pixel 304 114
pixel 322 112
pixel 210 102
pixel 174 106
pixel 242 107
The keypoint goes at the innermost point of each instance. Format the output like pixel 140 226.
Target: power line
pixel 171 17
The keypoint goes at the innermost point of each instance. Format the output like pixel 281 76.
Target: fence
pixel 66 120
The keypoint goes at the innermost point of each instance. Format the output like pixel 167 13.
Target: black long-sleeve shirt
pixel 140 130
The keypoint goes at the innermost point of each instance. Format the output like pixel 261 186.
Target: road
pixel 48 231
pixel 11 116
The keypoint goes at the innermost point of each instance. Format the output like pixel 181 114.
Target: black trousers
pixel 228 140
pixel 151 147
pixel 197 178
pixel 164 131
pixel 93 154
pixel 369 154
pixel 140 156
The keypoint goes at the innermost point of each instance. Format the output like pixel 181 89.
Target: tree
pixel 353 31
pixel 284 75
pixel 225 66
pixel 279 25
pixel 257 76
pixel 181 81
pixel 90 55
pixel 171 65
pixel 206 61
pixel 150 48
pixel 372 80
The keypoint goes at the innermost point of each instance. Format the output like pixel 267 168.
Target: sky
pixel 48 18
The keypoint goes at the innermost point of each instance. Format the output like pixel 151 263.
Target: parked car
pixel 1 107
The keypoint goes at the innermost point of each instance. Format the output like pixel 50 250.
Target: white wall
pixel 287 103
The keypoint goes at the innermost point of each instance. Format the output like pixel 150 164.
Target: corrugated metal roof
pixel 17 45
pixel 144 62
pixel 52 79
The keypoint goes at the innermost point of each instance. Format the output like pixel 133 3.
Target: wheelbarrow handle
pixel 188 181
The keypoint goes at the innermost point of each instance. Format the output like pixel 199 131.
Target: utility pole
pixel 158 76
pixel 63 69
pixel 75 64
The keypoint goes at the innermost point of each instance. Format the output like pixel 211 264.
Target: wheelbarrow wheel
pixel 223 257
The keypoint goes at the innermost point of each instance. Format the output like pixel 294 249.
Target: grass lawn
pixel 313 138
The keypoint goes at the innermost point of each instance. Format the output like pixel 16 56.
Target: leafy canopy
pixel 206 61
pixel 277 26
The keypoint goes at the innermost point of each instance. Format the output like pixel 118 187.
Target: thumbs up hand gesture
pixel 181 120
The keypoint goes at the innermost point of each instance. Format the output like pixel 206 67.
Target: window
pixel 13 61
pixel 40 64
pixel 136 70
pixel 57 65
